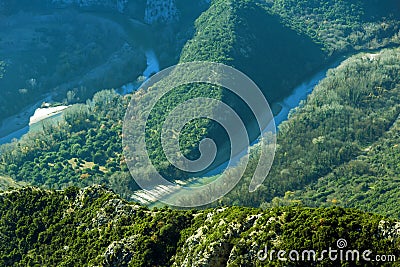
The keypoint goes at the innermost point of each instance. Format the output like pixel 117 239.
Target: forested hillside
pixel 65 189
pixel 94 227
pixel 341 25
pixel 369 182
pixel 344 136
pixel 277 55
pixel 47 52
pixel 86 148
pixel 245 35
pixel 52 47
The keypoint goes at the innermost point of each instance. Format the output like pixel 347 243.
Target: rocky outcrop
pixel 120 253
pixel 231 237
pixel 201 250
pixel 389 230
pixel 94 227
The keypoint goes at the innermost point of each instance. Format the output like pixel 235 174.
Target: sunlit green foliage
pixel 229 32
pixel 83 148
pixel 339 148
pixel 273 46
pixel 369 182
pixel 75 228
pixel 341 25
pixel 94 227
pixel 349 112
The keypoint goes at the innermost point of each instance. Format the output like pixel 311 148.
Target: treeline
pixel 240 34
pixel 349 111
pixel 348 119
pixel 277 52
pixel 342 26
pixel 85 147
pixel 244 35
pixel 85 227
pixel 94 227
pixel 369 182
pixel 343 129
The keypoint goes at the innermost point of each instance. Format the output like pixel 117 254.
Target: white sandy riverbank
pixel 44 113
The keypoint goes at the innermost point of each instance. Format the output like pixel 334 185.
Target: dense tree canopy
pixel 94 227
pixel 338 150
pixel 344 136
pixel 349 112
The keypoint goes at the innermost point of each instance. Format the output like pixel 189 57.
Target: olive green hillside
pixel 95 227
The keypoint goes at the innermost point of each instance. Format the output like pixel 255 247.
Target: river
pixel 32 117
pixel 153 67
pixel 298 94
pixel 292 101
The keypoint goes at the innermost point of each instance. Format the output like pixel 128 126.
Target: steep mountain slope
pixel 246 36
pixel 52 47
pixel 278 43
pixel 369 182
pixel 339 148
pixel 257 39
pixel 341 25
pixel 48 52
pixel 94 227
pixel 350 118
pixel 226 30
pixel 87 147
pixel 83 149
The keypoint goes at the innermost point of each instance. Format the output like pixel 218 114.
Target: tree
pixel 99 158
pixel 2 68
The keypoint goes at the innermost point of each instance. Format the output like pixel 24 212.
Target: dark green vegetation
pixel 52 54
pixel 351 110
pixel 344 138
pixel 342 25
pixel 51 48
pixel 276 53
pixel 85 227
pixel 347 128
pixel 278 44
pixel 244 35
pixel 82 149
pixel 338 150
pixel 369 182
pixel 94 227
